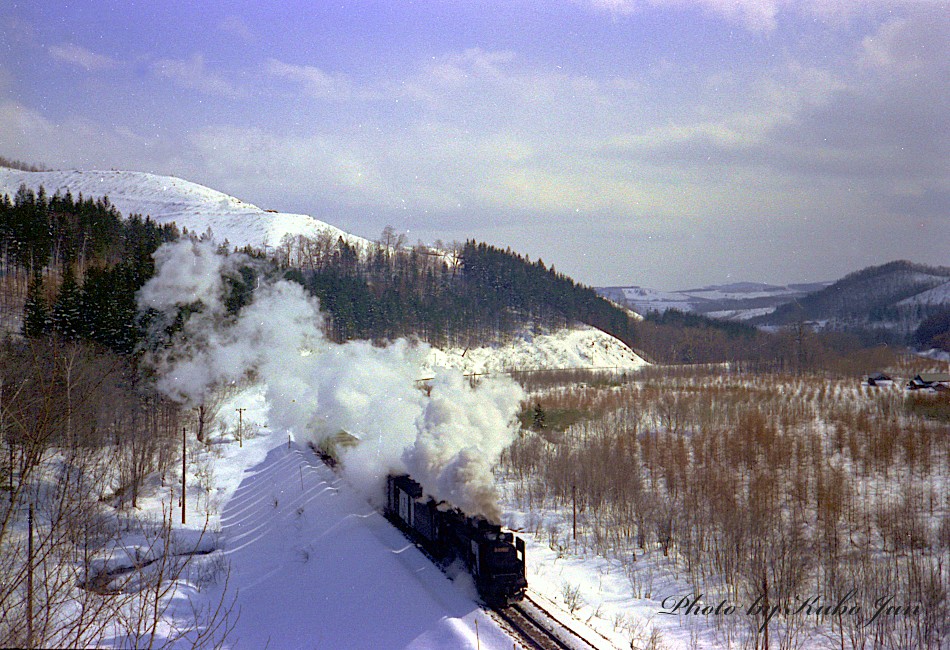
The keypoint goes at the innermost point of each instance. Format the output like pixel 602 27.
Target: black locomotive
pixel 495 558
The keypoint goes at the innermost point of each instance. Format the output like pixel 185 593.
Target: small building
pixel 933 380
pixel 879 378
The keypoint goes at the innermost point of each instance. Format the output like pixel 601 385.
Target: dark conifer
pixel 36 312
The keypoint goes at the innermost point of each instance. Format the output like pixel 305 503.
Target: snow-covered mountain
pixel 939 295
pixel 735 301
pixel 890 300
pixel 168 199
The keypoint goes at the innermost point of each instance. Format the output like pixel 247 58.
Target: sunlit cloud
pixel 80 56
pixel 192 74
pixel 314 81
pixel 660 122
pixel 237 26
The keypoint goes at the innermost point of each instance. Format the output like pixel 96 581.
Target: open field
pixel 817 509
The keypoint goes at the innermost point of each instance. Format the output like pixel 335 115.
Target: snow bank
pixel 573 348
pixel 316 566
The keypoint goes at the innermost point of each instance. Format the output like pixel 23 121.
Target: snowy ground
pixel 620 609
pixel 307 562
pixel 579 347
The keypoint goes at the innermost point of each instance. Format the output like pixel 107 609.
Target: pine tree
pixel 538 423
pixel 67 310
pixel 36 320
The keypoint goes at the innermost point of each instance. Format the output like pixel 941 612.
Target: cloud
pixel 236 26
pixel 315 81
pixel 917 43
pixel 192 74
pixel 79 56
pixel 78 142
pixel 756 15
pixel 764 16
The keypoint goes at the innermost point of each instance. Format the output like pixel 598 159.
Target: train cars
pixel 494 557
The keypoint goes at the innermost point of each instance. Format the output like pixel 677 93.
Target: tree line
pixel 467 294
pixel 79 264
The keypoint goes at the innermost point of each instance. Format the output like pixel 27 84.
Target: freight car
pixel 495 558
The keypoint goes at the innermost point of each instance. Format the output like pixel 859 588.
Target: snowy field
pixel 302 559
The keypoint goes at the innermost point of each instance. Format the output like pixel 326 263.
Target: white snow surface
pixel 168 199
pixel 939 295
pixel 581 347
pixel 311 564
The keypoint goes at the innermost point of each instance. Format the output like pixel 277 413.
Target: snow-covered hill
pixel 735 301
pixel 890 301
pixel 168 199
pixel 581 347
pixel 939 295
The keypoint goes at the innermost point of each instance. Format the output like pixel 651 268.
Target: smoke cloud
pixel 448 438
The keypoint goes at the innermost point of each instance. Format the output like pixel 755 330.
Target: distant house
pixel 878 378
pixel 934 380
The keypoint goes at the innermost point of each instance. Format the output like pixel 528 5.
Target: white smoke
pixel 449 439
pixel 459 438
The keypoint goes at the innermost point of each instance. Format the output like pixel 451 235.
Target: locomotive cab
pixel 495 558
pixel 497 563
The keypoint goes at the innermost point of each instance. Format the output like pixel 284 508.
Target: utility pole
pixel 574 504
pixel 240 426
pixel 29 577
pixel 3 435
pixel 184 454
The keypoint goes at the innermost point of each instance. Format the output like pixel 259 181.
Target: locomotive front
pixel 495 558
pixel 499 569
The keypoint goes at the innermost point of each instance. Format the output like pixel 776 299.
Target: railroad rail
pixel 537 630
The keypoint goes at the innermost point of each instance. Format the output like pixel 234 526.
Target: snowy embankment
pixel 580 347
pixel 303 560
pixel 167 199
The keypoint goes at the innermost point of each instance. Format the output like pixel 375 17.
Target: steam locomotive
pixel 495 558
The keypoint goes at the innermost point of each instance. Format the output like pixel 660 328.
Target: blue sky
pixel 665 143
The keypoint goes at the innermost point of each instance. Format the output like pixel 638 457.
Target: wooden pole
pixel 574 504
pixel 240 426
pixel 29 577
pixel 184 455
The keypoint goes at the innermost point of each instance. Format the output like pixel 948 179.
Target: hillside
pixel 735 301
pixel 581 347
pixel 167 199
pixel 367 291
pixel 889 301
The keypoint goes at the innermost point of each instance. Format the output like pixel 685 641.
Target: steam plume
pixel 449 440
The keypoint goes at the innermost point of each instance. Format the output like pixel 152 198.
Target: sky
pixel 662 143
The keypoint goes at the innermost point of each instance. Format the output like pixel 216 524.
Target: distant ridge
pixel 895 296
pixel 734 301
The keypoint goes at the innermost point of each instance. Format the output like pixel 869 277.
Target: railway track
pixel 536 630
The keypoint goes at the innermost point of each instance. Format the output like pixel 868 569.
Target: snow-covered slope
pixel 582 347
pixel 168 199
pixel 939 295
pixel 735 301
pixel 296 555
pixel 315 566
